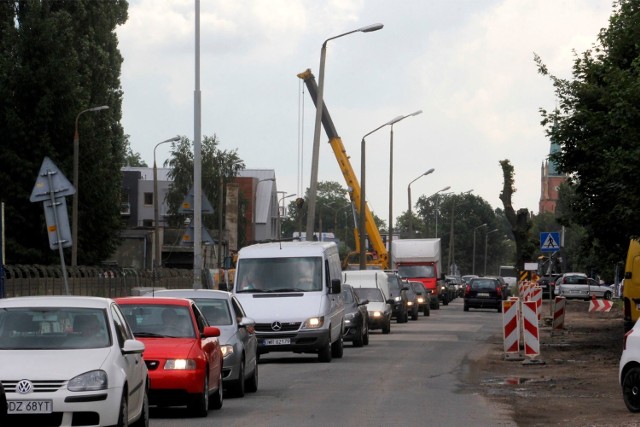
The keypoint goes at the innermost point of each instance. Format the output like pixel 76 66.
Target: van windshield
pixel 296 274
pixel 412 271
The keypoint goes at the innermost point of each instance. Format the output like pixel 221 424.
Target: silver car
pixel 579 286
pixel 237 335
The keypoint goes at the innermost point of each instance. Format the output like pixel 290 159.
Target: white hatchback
pixel 69 360
pixel 629 369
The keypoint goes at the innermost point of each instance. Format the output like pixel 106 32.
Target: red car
pixel 182 352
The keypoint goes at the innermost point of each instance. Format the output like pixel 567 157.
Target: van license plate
pixel 277 341
pixel 29 407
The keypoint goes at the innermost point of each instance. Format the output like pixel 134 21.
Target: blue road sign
pixel 550 241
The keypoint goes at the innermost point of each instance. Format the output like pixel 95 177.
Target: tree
pixel 520 221
pixel 597 125
pixel 132 159
pixel 57 58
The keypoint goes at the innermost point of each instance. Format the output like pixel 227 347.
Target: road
pixel 413 376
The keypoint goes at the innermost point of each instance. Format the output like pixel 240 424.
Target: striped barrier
pixel 599 305
pixel 511 328
pixel 536 296
pixel 530 329
pixel 558 313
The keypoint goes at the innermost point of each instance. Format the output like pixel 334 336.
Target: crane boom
pixel 347 170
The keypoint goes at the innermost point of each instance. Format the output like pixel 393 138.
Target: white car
pixel 579 286
pixel 72 361
pixel 629 370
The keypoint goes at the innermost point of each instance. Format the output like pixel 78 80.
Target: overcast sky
pixel 467 64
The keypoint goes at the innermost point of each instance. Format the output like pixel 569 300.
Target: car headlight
pixel 409 303
pixel 398 299
pixel 375 314
pixel 227 350
pixel 443 288
pixel 180 365
pixel 420 300
pixel 313 323
pixel 89 381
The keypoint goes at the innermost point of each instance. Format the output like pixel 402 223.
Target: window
pixel 148 199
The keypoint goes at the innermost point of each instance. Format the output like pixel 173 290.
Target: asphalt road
pixel 413 376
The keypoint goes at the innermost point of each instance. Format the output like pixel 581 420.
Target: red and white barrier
pixel 530 329
pixel 599 305
pixel 558 313
pixel 511 327
pixel 536 296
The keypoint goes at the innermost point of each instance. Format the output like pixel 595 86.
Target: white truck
pixel 419 260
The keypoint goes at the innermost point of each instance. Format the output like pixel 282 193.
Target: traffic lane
pixel 413 375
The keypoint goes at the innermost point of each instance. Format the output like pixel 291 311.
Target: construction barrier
pixel 511 327
pixel 599 305
pixel 558 313
pixel 536 296
pixel 530 329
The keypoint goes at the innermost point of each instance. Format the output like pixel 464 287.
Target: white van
pixel 293 292
pixel 379 309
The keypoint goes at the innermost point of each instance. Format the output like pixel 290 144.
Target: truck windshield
pixel 296 274
pixel 414 271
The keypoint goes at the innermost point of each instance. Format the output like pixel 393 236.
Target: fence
pixel 26 280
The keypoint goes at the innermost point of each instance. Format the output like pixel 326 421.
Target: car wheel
pixel 252 383
pixel 436 305
pixel 414 315
pixel 365 339
pixel 445 301
pixel 466 307
pixel 324 355
pixel 217 399
pixel 124 412
pixel 607 295
pixel 386 328
pixel 237 389
pixel 143 421
pixel 337 348
pixel 359 340
pixel 199 404
pixel 631 389
pixel 499 309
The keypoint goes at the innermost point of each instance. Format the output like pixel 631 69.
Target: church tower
pixel 550 182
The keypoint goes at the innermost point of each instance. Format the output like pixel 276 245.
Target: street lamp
pixel 156 216
pixel 486 238
pixel 74 215
pixel 361 225
pixel 409 196
pixel 473 262
pixel 389 251
pixel 437 194
pixel 313 186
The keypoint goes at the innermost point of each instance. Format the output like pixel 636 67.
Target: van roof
pixel 287 249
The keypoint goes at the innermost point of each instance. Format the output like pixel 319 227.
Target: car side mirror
pixel 246 322
pixel 336 288
pixel 364 302
pixel 210 331
pixel 391 301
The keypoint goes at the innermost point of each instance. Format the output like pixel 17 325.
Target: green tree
pixel 57 58
pixel 132 159
pixel 597 125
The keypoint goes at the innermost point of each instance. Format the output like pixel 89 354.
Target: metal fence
pixel 26 280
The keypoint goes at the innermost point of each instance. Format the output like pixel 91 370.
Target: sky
pixel 467 64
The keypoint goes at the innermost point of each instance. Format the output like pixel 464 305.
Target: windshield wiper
pixel 252 291
pixel 147 335
pixel 288 290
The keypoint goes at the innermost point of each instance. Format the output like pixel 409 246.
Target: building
pixel 550 182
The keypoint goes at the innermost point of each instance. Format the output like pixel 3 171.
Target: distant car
pixel 237 335
pixel 182 352
pixel 506 288
pixel 547 283
pixel 378 310
pixel 412 301
pixel 399 296
pixel 629 369
pixel 423 297
pixel 455 288
pixel 579 286
pixel 484 292
pixel 356 319
pixel 71 358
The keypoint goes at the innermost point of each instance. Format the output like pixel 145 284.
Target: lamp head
pixel 370 28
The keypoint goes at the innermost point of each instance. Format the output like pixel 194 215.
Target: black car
pixel 548 284
pixel 412 302
pixel 398 291
pixel 423 296
pixel 356 319
pixel 484 292
pixel 378 310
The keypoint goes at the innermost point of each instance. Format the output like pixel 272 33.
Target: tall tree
pixel 597 125
pixel 57 58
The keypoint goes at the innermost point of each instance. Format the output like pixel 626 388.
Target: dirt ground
pixel 576 386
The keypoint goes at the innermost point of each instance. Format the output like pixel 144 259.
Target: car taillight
pixel 624 339
pixel 499 291
pixel 467 289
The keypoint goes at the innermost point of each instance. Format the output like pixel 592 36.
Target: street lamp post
pixel 284 196
pixel 473 261
pixel 486 239
pixel 313 186
pixel 74 214
pixel 363 204
pixel 156 215
pixel 437 194
pixel 410 227
pixel 389 251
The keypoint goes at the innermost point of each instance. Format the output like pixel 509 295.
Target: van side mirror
pixel 336 288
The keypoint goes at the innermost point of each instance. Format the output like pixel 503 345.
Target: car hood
pixel 227 334
pixel 284 307
pixel 376 306
pixel 51 364
pixel 167 348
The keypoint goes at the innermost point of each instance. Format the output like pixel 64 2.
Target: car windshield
pixel 296 274
pixel 347 295
pixel 159 320
pixel 418 287
pixel 53 328
pixel 416 271
pixel 216 311
pixel 575 280
pixel 372 294
pixel 483 285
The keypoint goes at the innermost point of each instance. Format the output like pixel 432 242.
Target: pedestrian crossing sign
pixel 550 241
